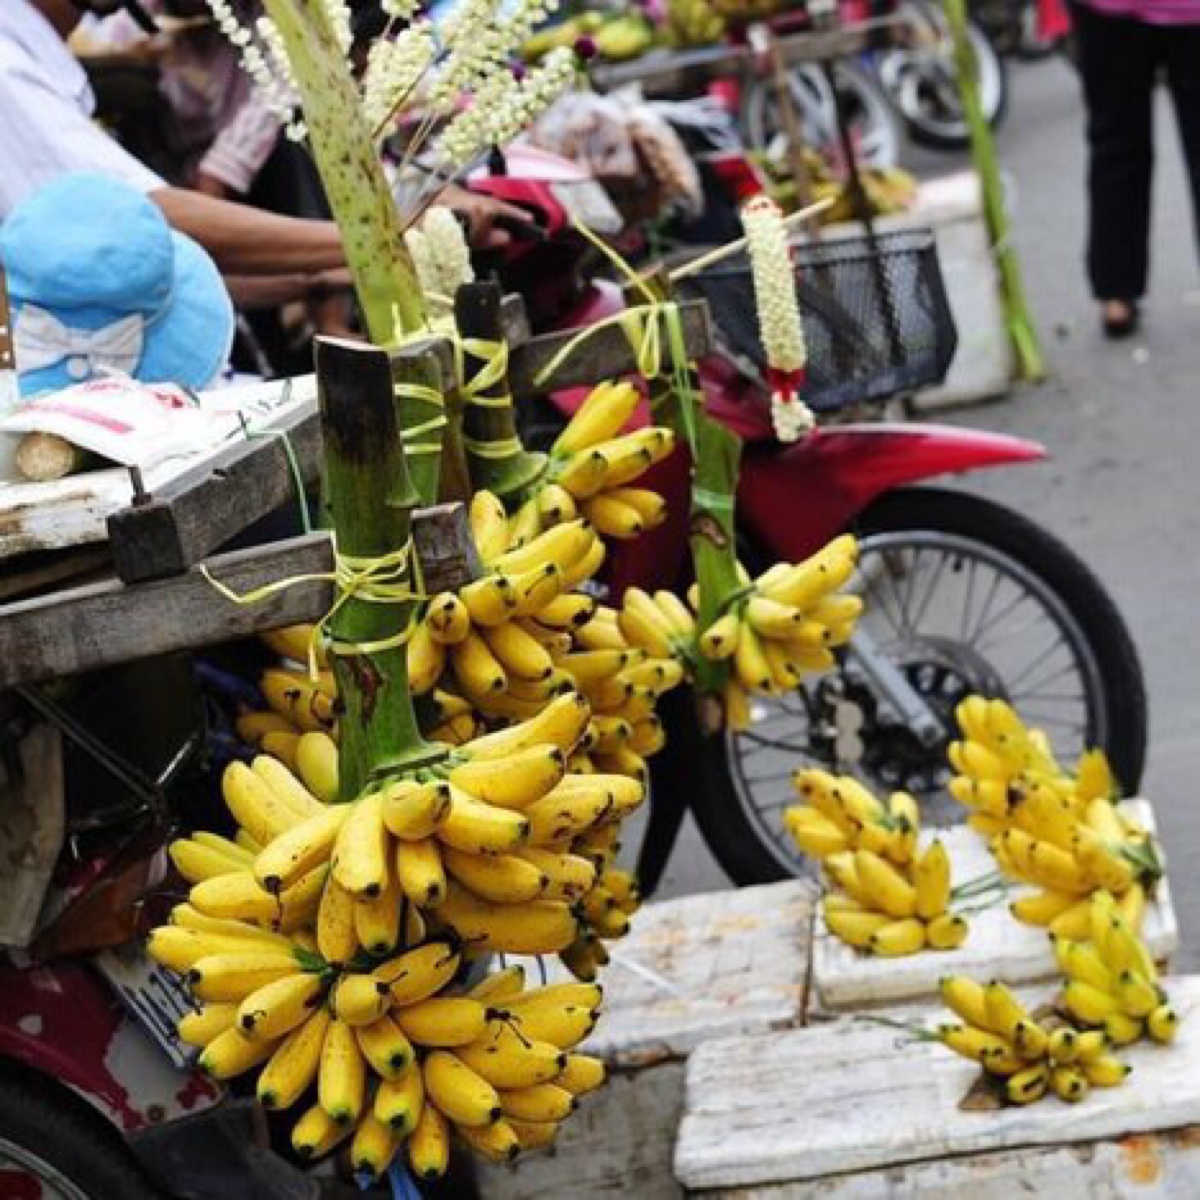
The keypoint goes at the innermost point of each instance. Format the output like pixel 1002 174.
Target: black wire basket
pixel 876 318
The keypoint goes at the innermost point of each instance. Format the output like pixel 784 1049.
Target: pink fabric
pixel 1152 12
pixel 225 127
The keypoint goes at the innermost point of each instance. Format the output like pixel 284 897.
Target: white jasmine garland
pixel 778 307
pixel 264 60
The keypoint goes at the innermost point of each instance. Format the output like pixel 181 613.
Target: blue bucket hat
pixel 99 282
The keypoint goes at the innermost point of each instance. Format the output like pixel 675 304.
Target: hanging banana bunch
pixel 393 1058
pixel 885 894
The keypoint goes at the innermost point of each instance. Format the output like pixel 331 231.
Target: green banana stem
pixel 1030 364
pixel 371 497
pixel 384 276
pixel 495 456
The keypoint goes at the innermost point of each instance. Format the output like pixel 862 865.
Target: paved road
pixel 1122 422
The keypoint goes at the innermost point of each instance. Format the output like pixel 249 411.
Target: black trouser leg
pixel 1183 78
pixel 1117 62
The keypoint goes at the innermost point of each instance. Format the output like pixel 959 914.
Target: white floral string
pixel 778 306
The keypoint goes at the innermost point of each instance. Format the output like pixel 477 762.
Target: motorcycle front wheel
pixel 55 1147
pixel 922 84
pixel 962 595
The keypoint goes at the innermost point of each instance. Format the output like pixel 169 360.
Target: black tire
pixel 933 138
pixel 730 831
pixel 55 1132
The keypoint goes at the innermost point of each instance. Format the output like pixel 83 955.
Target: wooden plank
pixel 197 512
pixel 671 71
pixel 997 947
pixel 193 514
pixel 606 354
pixel 847 1096
pixel 99 625
pixel 1164 1165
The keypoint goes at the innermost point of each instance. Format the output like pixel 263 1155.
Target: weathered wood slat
pixel 197 512
pixel 606 354
pixel 99 625
pixel 188 518
pixel 82 629
pixel 671 71
pixel 997 947
pixel 842 1097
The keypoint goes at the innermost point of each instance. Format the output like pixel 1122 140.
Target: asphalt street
pixel 1121 422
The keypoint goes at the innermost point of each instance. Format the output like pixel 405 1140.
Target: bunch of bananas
pixel 592 467
pixel 1112 982
pixel 1060 832
pixel 500 842
pixel 387 1054
pixel 1031 1056
pixel 693 23
pixel 783 626
pixel 888 896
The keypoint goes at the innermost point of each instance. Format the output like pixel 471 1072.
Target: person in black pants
pixel 1124 47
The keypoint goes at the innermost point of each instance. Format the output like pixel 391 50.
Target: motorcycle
pixel 963 595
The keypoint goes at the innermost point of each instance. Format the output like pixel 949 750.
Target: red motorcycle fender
pixel 62 1021
pixel 793 502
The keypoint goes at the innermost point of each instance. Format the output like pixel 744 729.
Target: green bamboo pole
pixel 415 369
pixel 494 454
pixel 371 497
pixel 383 273
pixel 1030 363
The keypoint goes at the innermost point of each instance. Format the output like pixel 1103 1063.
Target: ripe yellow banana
pixel 515 781
pixel 337 940
pixel 442 1021
pixel 232 976
pixel 1069 1084
pixel 277 1008
pixel 497 1142
pixel 254 805
pixel 292 1068
pixel 377 918
pixel 459 1092
pixel 400 1099
pixel 198 1028
pixel 414 809
pixel 507 1060
pixel 947 931
pixel 604 413
pixel 447 618
pixel 316 764
pixel 885 888
pixel 386 1048
pixel 297 851
pixel 855 928
pixel 538 927
pixel 361 851
pixel 499 878
pixel 418 974
pixel 562 722
pixel 360 1000
pixel 232 1053
pixel 373 1147
pixel 316 1134
pixel 342 1074
pixel 429 1145
pixel 1028 1086
pixel 897 938
pixel 421 873
pixel 932 880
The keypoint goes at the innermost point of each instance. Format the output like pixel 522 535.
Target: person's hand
pixel 210 185
pixel 482 214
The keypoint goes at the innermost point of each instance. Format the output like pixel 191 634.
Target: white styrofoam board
pixel 717 964
pixel 1159 1166
pixel 850 1096
pixel 620 1143
pixel 998 946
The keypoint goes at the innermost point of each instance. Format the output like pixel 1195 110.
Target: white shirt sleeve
pixel 44 135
